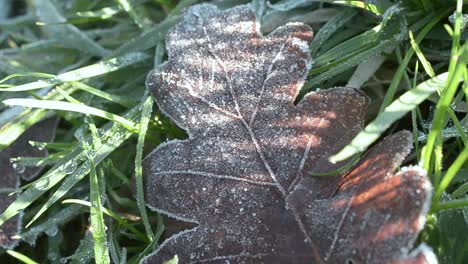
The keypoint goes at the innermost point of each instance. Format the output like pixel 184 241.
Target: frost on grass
pixel 12 172
pixel 242 175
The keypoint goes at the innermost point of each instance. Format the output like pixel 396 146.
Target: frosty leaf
pixel 11 173
pixel 242 176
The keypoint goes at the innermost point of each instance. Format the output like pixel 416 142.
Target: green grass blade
pixel 376 9
pixel 55 220
pixel 348 62
pixel 110 213
pixel 452 204
pixel 141 21
pixel 344 49
pixel 147 39
pixel 67 35
pixel 424 62
pixel 448 177
pixel 393 112
pixel 104 95
pixel 72 107
pixel 145 118
pixel 84 252
pixel 444 103
pixel 460 191
pixel 21 257
pixel 435 18
pixel 101 252
pixel 70 170
pixel 97 69
pixel 174 260
pixel 329 28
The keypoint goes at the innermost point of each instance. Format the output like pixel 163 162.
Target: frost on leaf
pixel 11 173
pixel 242 175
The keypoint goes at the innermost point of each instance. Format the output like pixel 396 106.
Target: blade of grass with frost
pixel 114 248
pixel 377 7
pixel 65 215
pixel 137 17
pixel 275 19
pixel 434 19
pixel 424 62
pixel 459 203
pixel 460 191
pixel 98 227
pixel 145 118
pixel 157 33
pixel 444 103
pixel 55 240
pixel 14 125
pixel 23 258
pixel 111 139
pixel 84 252
pixel 89 16
pixel 329 28
pixel 71 168
pixel 147 39
pixel 110 213
pixel 37 162
pixel 10 131
pixel 152 245
pixel 456 34
pixel 67 35
pixel 104 95
pixel 123 256
pixel 26 74
pixel 72 107
pixel 448 177
pixel 405 103
pixel 365 71
pixel 16 120
pixel 97 69
pixel 348 62
pixel 458 126
pixel 359 42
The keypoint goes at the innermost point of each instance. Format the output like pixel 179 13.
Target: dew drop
pixel 52 231
pixel 19 168
pixel 42 184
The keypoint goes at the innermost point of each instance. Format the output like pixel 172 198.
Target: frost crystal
pixel 241 176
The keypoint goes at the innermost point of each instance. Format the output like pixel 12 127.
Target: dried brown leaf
pixel 242 175
pixel 11 173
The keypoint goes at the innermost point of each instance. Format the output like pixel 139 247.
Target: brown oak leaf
pixel 242 175
pixel 11 173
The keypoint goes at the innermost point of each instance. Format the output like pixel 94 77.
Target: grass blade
pixel 393 112
pixel 101 252
pixel 409 54
pixel 110 213
pixel 70 170
pixel 100 68
pixel 67 35
pixel 72 107
pixel 145 118
pixel 329 28
pixel 21 257
pixel 444 103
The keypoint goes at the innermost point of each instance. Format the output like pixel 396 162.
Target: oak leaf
pixel 242 175
pixel 12 173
